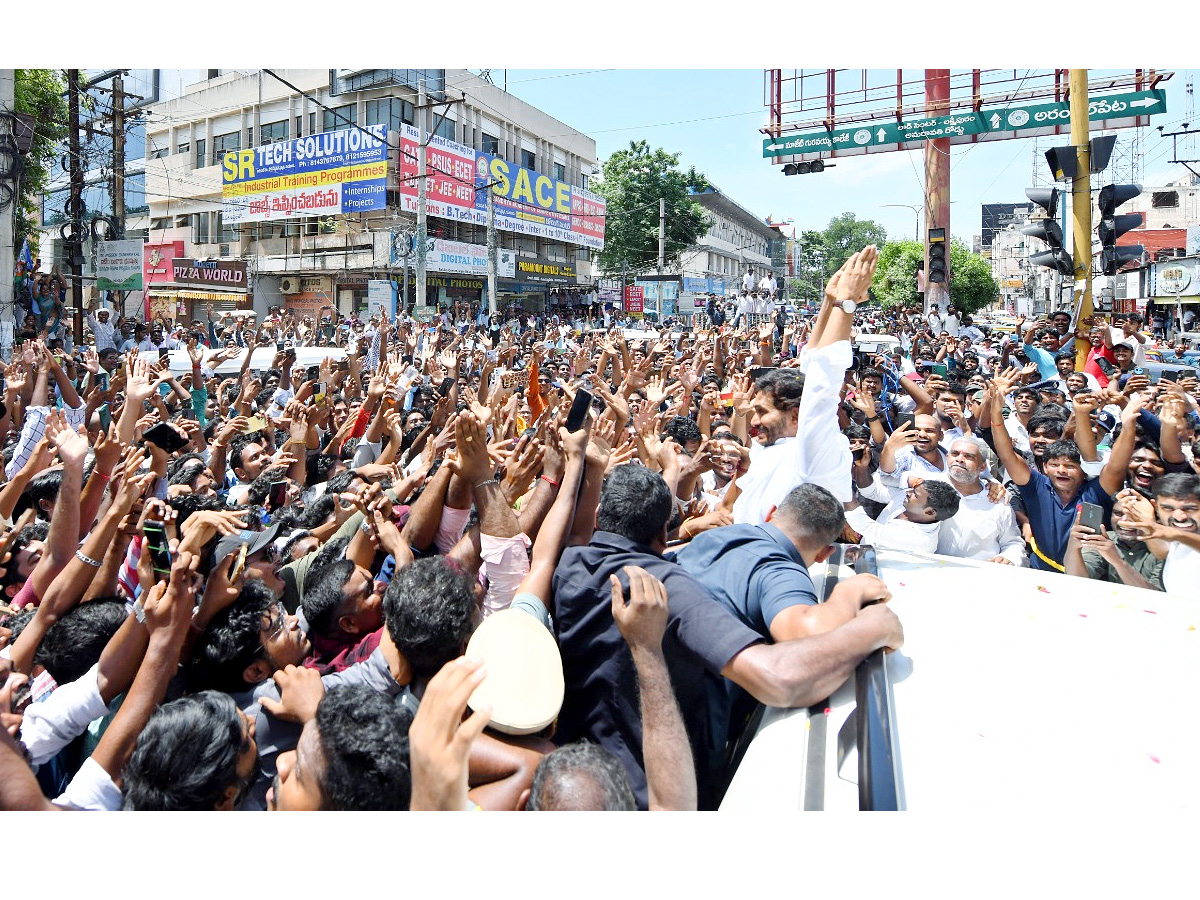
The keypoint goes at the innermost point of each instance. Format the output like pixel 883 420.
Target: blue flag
pixel 26 256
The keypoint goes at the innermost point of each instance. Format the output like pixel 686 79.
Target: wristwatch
pixel 848 307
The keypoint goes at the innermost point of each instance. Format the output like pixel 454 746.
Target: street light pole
pixel 915 209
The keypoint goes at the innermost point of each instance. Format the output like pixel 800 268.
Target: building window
pixel 489 144
pixel 200 233
pixel 135 194
pixel 249 137
pixel 560 172
pixel 160 224
pixel 583 181
pixel 445 128
pixel 160 152
pixel 336 120
pixel 1164 199
pixel 185 147
pixel 312 123
pixel 201 159
pixel 225 233
pixel 390 111
pixel 274 131
pixel 224 143
pixel 299 125
pixel 527 159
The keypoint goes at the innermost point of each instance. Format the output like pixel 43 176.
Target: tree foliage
pixel 39 93
pixel 632 181
pixel 821 253
pixel 846 235
pixel 896 275
pixel 972 286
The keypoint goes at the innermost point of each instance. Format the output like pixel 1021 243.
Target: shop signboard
pixel 227 273
pixel 326 174
pixel 542 269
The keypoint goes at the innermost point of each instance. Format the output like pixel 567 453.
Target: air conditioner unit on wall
pixel 290 285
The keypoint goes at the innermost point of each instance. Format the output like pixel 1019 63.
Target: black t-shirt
pixel 601 701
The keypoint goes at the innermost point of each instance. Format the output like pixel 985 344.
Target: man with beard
pixel 1171 528
pixel 915 450
pixel 981 529
pixel 1120 556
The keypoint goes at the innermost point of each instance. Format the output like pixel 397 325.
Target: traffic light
pixel 1050 231
pixel 937 256
pixel 1112 226
pixel 804 168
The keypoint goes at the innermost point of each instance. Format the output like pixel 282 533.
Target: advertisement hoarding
pixel 319 175
pixel 634 300
pixel 119 265
pixel 525 201
pixel 381 297
pixel 458 257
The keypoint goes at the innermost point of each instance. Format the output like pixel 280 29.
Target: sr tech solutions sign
pixel 319 175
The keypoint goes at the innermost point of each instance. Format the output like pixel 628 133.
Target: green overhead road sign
pixel 1007 121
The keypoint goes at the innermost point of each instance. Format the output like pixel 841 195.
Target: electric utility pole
pixel 8 87
pixel 74 246
pixel 422 227
pixel 662 233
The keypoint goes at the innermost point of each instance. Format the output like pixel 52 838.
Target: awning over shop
pixel 204 296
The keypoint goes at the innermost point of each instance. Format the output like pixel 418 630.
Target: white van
pixel 1016 691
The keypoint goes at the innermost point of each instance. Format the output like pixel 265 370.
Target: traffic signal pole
pixel 937 184
pixel 1081 207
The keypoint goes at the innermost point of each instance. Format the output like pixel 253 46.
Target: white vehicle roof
pixel 1016 690
pixel 261 361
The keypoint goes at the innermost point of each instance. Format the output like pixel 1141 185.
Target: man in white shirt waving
pixel 784 405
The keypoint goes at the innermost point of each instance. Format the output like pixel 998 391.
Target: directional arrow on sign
pixel 880 134
pixel 774 147
pixel 1148 101
pixel 995 120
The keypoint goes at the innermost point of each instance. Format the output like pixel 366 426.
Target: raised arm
pixel 1112 476
pixel 168 611
pixel 642 621
pixel 553 533
pixel 1012 461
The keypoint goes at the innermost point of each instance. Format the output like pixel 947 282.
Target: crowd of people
pixel 523 562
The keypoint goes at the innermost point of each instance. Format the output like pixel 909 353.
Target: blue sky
pixel 712 119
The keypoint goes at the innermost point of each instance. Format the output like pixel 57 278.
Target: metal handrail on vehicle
pixel 880 785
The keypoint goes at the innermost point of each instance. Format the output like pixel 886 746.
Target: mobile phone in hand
pixel 579 410
pixel 156 545
pixel 278 496
pixel 447 383
pixel 239 563
pixel 164 436
pixel 1092 515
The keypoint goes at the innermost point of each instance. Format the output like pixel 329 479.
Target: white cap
pixel 524 684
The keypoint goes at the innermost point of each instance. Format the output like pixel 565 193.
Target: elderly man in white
pixel 803 444
pixel 981 529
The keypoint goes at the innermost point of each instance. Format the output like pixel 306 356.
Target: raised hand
pixel 72 446
pixel 440 739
